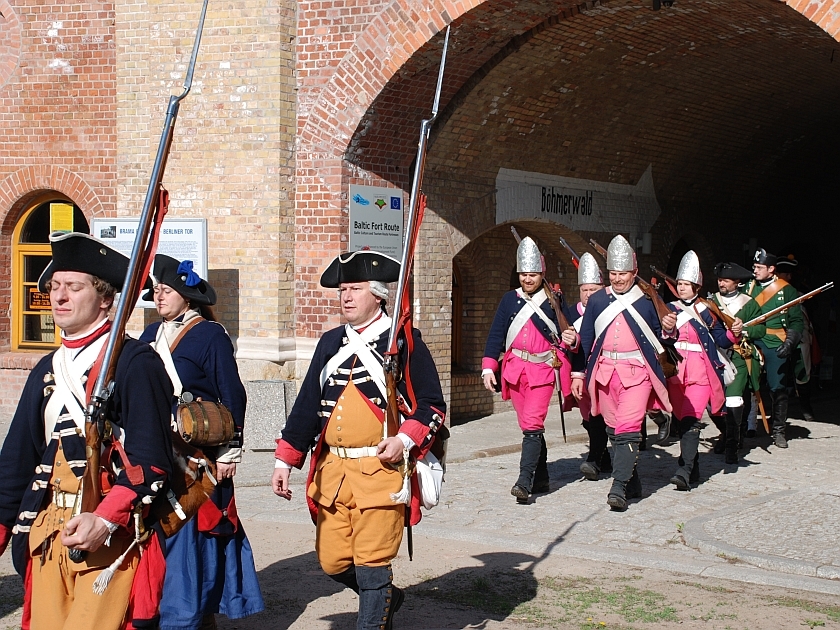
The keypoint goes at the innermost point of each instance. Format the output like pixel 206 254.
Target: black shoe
pixel 520 493
pixel 750 433
pixel 590 471
pixel 720 446
pixel 617 502
pixel 397 599
pixel 541 488
pixel 680 481
pixel 731 456
pixel 664 428
pixel 779 439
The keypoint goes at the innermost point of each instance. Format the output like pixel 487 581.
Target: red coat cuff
pixel 289 454
pixel 489 364
pixel 731 336
pixel 5 536
pixel 416 430
pixel 117 506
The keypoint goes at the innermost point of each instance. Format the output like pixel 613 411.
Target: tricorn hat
pixel 180 276
pixel 361 266
pixel 689 268
pixel 732 271
pixel 75 251
pixel 620 255
pixel 763 257
pixel 588 270
pixel 786 264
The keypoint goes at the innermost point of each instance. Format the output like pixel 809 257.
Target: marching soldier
pixel 43 458
pixel 620 338
pixel 590 281
pixel 744 355
pixel 804 359
pixel 699 379
pixel 783 334
pixel 525 329
pixel 340 411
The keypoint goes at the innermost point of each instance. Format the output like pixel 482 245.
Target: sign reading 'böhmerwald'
pixel 580 204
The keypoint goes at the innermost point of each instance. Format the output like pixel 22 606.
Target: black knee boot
pixel 532 445
pixel 733 433
pixel 689 457
pixel 643 443
pixel 720 443
pixel 348 578
pixel 379 599
pixel 597 431
pixel 780 408
pixel 541 481
pixel 625 454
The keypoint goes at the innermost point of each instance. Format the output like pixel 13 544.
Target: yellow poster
pixel 61 217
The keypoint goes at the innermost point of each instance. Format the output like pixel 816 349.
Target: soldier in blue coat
pixel 209 562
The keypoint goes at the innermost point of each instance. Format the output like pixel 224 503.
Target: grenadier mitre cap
pixel 689 268
pixel 75 251
pixel 588 270
pixel 180 276
pixel 362 266
pixel 763 257
pixel 786 264
pixel 620 256
pixel 732 271
pixel 528 257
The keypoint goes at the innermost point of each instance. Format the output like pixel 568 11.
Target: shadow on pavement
pixel 11 594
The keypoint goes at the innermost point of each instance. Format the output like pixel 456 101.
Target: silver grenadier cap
pixel 588 270
pixel 689 268
pixel 620 256
pixel 528 257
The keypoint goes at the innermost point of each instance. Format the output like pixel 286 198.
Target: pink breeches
pixel 688 401
pixel 530 403
pixel 624 408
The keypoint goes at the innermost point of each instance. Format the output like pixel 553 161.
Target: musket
pixel 138 267
pixel 402 310
pixel 563 324
pixel 669 358
pixel 575 257
pixel 807 296
pixel 727 320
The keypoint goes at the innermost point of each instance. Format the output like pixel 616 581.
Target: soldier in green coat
pixel 744 355
pixel 783 334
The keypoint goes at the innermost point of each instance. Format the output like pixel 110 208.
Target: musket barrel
pixel 784 307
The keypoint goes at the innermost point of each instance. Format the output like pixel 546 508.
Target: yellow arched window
pixel 32 322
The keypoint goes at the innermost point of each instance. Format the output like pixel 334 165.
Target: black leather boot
pixel 625 454
pixel 804 392
pixel 663 421
pixel 780 408
pixel 348 578
pixel 379 599
pixel 597 430
pixel 541 481
pixel 689 456
pixel 532 445
pixel 733 433
pixel 720 443
pixel 633 489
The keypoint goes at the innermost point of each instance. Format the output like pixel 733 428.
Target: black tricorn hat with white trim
pixel 361 266
pixel 732 271
pixel 180 276
pixel 75 251
pixel 786 264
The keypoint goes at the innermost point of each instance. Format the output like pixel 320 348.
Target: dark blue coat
pixel 591 346
pixel 140 406
pixel 509 307
pixel 309 416
pixel 712 338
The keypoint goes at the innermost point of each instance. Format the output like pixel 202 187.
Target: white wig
pixel 379 289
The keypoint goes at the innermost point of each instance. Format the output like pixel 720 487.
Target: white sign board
pixel 184 239
pixel 580 204
pixel 376 219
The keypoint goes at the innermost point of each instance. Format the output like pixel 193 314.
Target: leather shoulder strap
pixel 184 331
pixel 770 290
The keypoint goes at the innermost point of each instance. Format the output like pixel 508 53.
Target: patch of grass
pixel 832 612
pixel 680 527
pixel 813 623
pixel 705 587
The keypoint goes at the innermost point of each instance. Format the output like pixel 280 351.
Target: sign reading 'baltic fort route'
pixel 580 204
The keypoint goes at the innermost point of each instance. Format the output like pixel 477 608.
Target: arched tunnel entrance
pixel 709 124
